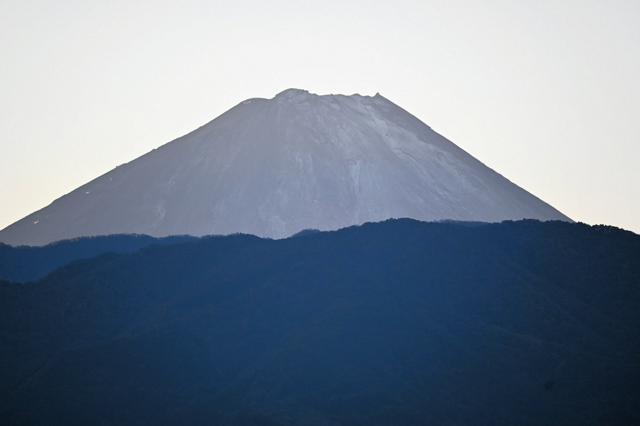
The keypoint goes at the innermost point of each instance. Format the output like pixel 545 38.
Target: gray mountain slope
pixel 273 167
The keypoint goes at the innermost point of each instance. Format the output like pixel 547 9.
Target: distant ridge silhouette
pixel 400 322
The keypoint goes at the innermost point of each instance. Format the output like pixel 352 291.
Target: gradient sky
pixel 547 93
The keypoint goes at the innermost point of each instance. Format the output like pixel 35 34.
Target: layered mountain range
pixel 393 323
pixel 124 302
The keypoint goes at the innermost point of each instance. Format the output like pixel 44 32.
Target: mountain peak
pixel 275 168
pixel 292 92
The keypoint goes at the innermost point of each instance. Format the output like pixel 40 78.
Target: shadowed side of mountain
pixel 27 263
pixel 399 322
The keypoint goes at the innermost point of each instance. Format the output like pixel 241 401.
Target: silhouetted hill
pixel 393 323
pixel 27 263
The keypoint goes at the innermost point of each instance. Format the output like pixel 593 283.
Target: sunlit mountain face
pixel 274 167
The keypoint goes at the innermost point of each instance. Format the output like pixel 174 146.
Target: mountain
pixel 25 263
pixel 274 167
pixel 400 322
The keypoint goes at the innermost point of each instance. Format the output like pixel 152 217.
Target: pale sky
pixel 547 93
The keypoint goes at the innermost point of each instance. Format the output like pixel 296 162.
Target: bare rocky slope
pixel 273 167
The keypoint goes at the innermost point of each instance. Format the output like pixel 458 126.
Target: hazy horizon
pixel 546 94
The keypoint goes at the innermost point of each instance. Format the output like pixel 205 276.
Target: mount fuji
pixel 274 167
